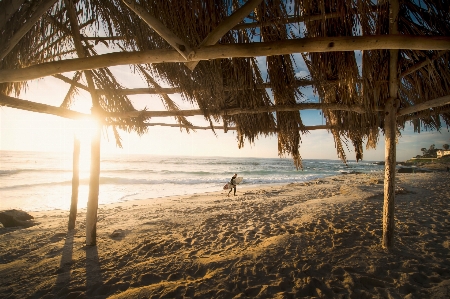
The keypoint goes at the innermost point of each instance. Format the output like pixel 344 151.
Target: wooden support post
pixel 390 126
pixel 75 182
pixel 94 180
pixel 94 186
pixel 389 172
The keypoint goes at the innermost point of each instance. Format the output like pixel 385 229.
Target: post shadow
pixel 62 283
pixel 94 277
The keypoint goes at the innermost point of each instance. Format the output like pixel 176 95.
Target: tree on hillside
pixel 432 151
pixel 429 153
pixel 424 151
pixel 446 146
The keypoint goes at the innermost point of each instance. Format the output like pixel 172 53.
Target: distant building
pixel 442 153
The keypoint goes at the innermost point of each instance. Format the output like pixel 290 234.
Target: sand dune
pixel 319 239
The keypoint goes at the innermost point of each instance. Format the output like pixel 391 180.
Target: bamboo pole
pixel 75 182
pixel 390 126
pixel 12 42
pixel 317 44
pixel 226 25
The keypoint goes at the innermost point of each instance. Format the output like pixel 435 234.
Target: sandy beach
pixel 320 239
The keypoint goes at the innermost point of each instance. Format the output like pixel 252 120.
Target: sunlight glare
pixel 85 129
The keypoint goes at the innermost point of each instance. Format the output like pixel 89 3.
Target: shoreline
pixel 131 177
pixel 320 238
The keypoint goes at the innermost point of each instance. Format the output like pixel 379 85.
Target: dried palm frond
pixel 233 82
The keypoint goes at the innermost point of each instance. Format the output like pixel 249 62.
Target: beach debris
pixel 14 218
pixel 118 234
pixel 401 190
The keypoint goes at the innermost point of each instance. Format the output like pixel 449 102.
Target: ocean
pixel 36 181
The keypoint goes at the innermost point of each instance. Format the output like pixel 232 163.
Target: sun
pixel 85 130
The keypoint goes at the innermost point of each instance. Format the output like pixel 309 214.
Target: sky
pixel 30 131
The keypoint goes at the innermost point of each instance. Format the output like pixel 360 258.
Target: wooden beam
pixel 71 82
pixel 422 64
pixel 319 44
pixel 102 38
pixel 67 113
pixel 12 6
pixel 91 21
pixel 298 19
pixel 167 101
pixel 134 91
pixel 159 27
pixel 296 107
pixel 68 98
pixel 172 90
pixel 426 105
pixel 41 108
pixel 425 114
pixel 12 42
pixel 289 20
pixel 307 128
pixel 226 25
pixel 236 111
pixel 390 134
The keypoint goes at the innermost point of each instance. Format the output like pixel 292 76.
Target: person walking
pixel 233 184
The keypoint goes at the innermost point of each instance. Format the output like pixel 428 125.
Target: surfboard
pixel 238 181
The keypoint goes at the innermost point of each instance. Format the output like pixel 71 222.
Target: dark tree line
pixel 432 151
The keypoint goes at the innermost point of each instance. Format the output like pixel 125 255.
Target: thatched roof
pixel 207 51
